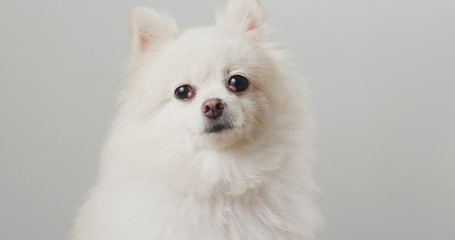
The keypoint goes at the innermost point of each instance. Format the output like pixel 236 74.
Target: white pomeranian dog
pixel 210 142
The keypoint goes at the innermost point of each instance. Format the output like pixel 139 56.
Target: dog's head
pixel 212 85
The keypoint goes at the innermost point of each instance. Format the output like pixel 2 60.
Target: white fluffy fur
pixel 162 177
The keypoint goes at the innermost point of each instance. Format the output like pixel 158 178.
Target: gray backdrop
pixel 381 74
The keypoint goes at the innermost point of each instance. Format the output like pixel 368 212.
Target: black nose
pixel 213 108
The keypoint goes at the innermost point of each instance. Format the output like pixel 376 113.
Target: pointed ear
pixel 242 16
pixel 149 29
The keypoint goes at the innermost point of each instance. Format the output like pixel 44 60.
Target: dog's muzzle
pixel 215 121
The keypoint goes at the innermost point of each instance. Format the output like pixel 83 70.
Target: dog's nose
pixel 213 108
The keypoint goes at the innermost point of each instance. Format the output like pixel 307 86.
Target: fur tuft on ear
pixel 242 16
pixel 149 29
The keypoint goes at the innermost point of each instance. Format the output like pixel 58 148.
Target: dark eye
pixel 238 83
pixel 184 92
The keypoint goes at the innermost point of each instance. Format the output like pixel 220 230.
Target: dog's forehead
pixel 210 53
pixel 209 38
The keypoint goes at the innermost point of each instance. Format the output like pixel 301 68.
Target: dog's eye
pixel 238 83
pixel 184 92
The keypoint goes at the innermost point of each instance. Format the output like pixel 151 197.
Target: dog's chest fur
pixel 140 211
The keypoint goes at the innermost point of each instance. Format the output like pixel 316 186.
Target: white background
pixel 382 80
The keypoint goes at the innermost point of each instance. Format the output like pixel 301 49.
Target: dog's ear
pixel 242 16
pixel 149 30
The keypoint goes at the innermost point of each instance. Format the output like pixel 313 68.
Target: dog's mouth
pixel 217 127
